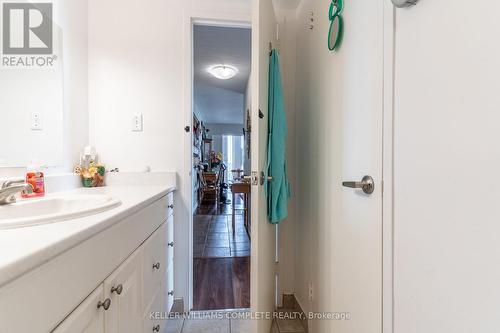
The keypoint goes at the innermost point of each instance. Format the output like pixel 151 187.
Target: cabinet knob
pixel 171 206
pixel 118 289
pixel 171 244
pixel 156 328
pixel 171 293
pixel 156 266
pixel 105 305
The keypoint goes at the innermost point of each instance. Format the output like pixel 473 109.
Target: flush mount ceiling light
pixel 223 72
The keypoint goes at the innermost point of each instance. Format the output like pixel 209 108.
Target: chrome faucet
pixel 10 188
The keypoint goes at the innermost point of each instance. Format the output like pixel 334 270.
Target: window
pixel 233 153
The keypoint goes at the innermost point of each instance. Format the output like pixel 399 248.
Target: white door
pixel 124 289
pixel 446 158
pixel 87 318
pixel 352 237
pixel 263 233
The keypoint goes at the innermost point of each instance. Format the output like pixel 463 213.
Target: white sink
pixel 53 209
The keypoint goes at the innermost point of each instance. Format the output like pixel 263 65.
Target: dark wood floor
pixel 221 283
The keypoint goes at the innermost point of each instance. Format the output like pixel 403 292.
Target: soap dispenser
pixel 36 178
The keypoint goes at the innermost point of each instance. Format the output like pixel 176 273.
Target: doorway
pixel 221 206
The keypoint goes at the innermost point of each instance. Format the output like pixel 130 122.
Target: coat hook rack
pixel 271 47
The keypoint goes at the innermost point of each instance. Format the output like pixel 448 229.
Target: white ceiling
pixel 221 101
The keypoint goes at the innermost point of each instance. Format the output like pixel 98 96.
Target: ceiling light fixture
pixel 223 72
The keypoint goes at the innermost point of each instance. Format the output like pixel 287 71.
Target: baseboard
pixel 178 306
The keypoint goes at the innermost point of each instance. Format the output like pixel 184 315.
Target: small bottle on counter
pixel 35 177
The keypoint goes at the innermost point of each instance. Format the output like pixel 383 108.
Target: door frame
pixel 242 20
pixel 229 20
pixel 388 168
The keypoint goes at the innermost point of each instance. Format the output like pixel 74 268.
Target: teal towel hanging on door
pixel 277 190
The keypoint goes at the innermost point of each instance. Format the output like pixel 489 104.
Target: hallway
pixel 221 261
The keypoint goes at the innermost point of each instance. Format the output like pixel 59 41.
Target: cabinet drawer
pixel 154 264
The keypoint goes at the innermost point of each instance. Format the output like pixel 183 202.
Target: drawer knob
pixel 118 289
pixel 171 206
pixel 156 328
pixel 171 244
pixel 156 266
pixel 171 293
pixel 105 305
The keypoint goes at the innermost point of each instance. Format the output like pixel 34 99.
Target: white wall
pixel 314 197
pixel 75 48
pixel 137 63
pixel 73 21
pixel 218 130
pixel 288 248
pixel 225 129
pixel 286 17
pixel 331 247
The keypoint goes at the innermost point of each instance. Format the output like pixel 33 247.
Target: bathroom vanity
pixel 103 272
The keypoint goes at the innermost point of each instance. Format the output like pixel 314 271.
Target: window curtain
pixel 233 152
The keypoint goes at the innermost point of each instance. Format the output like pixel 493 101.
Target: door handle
pixel 263 178
pixel 366 184
pixel 254 178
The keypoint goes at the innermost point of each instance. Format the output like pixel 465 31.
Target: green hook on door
pixel 336 31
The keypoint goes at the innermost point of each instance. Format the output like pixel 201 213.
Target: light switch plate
pixel 137 122
pixel 36 121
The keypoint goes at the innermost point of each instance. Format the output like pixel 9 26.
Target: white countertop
pixel 24 249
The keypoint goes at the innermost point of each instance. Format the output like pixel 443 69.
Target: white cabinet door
pixel 168 283
pixel 152 324
pixel 170 241
pixel 124 288
pixel 155 251
pixel 168 289
pixel 154 264
pixel 87 318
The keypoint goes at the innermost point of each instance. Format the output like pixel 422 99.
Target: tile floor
pixel 213 236
pixel 208 325
pixel 228 325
